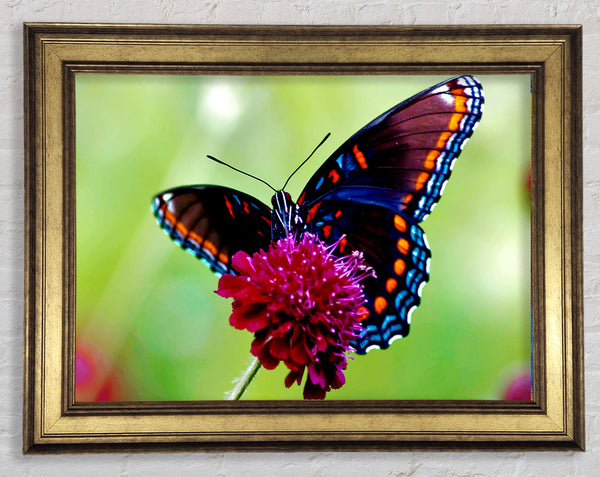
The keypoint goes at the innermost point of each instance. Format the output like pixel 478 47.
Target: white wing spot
pixel 394 338
pixel 448 98
pixel 369 348
pixel 443 88
pixel 409 315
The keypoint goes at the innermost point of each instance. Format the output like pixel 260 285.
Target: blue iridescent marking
pixel 420 257
pixel 373 335
pixel 387 320
pixel 416 235
pixel 414 278
pixel 400 298
pixel 390 331
pixel 320 183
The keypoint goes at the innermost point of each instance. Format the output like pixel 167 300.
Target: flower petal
pixel 339 379
pixel 242 263
pixel 258 343
pixel 279 348
pixel 230 285
pixel 317 376
pixel 298 352
pixel 294 376
pixel 266 359
pixel 312 391
pixel 251 318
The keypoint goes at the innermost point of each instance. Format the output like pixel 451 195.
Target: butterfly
pixel 370 195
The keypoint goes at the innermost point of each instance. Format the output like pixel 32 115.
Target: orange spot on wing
pixel 360 157
pixel 442 139
pixel 246 209
pixel 301 198
pixel 228 204
pixel 423 176
pixel 431 158
pixel 399 267
pixel 363 313
pixel 327 231
pixel 399 223
pixel 391 284
pixel 205 244
pixel 403 246
pixel 440 144
pixel 407 198
pixel 312 211
pixel 460 104
pixel 338 214
pixel 380 304
pixel 334 176
pixel 169 217
pixel 455 122
pixel 460 101
pixel 343 243
pixel 210 247
pixel 223 258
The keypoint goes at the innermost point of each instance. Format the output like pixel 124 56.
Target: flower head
pixel 303 305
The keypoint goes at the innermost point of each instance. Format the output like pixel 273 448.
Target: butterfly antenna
pixel 242 172
pixel 306 160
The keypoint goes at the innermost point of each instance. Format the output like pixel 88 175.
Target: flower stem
pixel 244 381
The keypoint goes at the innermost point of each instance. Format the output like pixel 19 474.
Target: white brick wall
pixel 14 12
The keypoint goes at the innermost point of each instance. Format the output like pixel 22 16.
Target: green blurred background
pixel 149 325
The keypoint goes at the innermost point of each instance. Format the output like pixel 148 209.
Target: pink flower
pixel 519 389
pixel 303 305
pixel 94 380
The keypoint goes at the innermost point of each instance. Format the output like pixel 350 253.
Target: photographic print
pixel 149 323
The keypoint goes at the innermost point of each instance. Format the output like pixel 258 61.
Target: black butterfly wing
pixel 403 159
pixel 380 184
pixel 213 222
pixel 397 250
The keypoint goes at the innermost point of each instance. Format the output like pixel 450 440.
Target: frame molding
pixel 53 422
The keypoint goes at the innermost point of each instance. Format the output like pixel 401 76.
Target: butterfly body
pixel 287 218
pixel 370 195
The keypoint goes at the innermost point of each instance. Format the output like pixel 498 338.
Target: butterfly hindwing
pixel 396 249
pixel 213 222
pixel 403 158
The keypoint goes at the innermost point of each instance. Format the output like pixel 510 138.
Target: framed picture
pixel 350 135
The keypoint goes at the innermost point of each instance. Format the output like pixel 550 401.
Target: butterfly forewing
pixel 403 158
pixel 213 222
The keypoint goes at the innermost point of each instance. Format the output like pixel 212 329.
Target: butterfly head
pixel 280 199
pixel 286 216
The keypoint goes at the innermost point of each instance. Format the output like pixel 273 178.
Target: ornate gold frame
pixel 53 422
